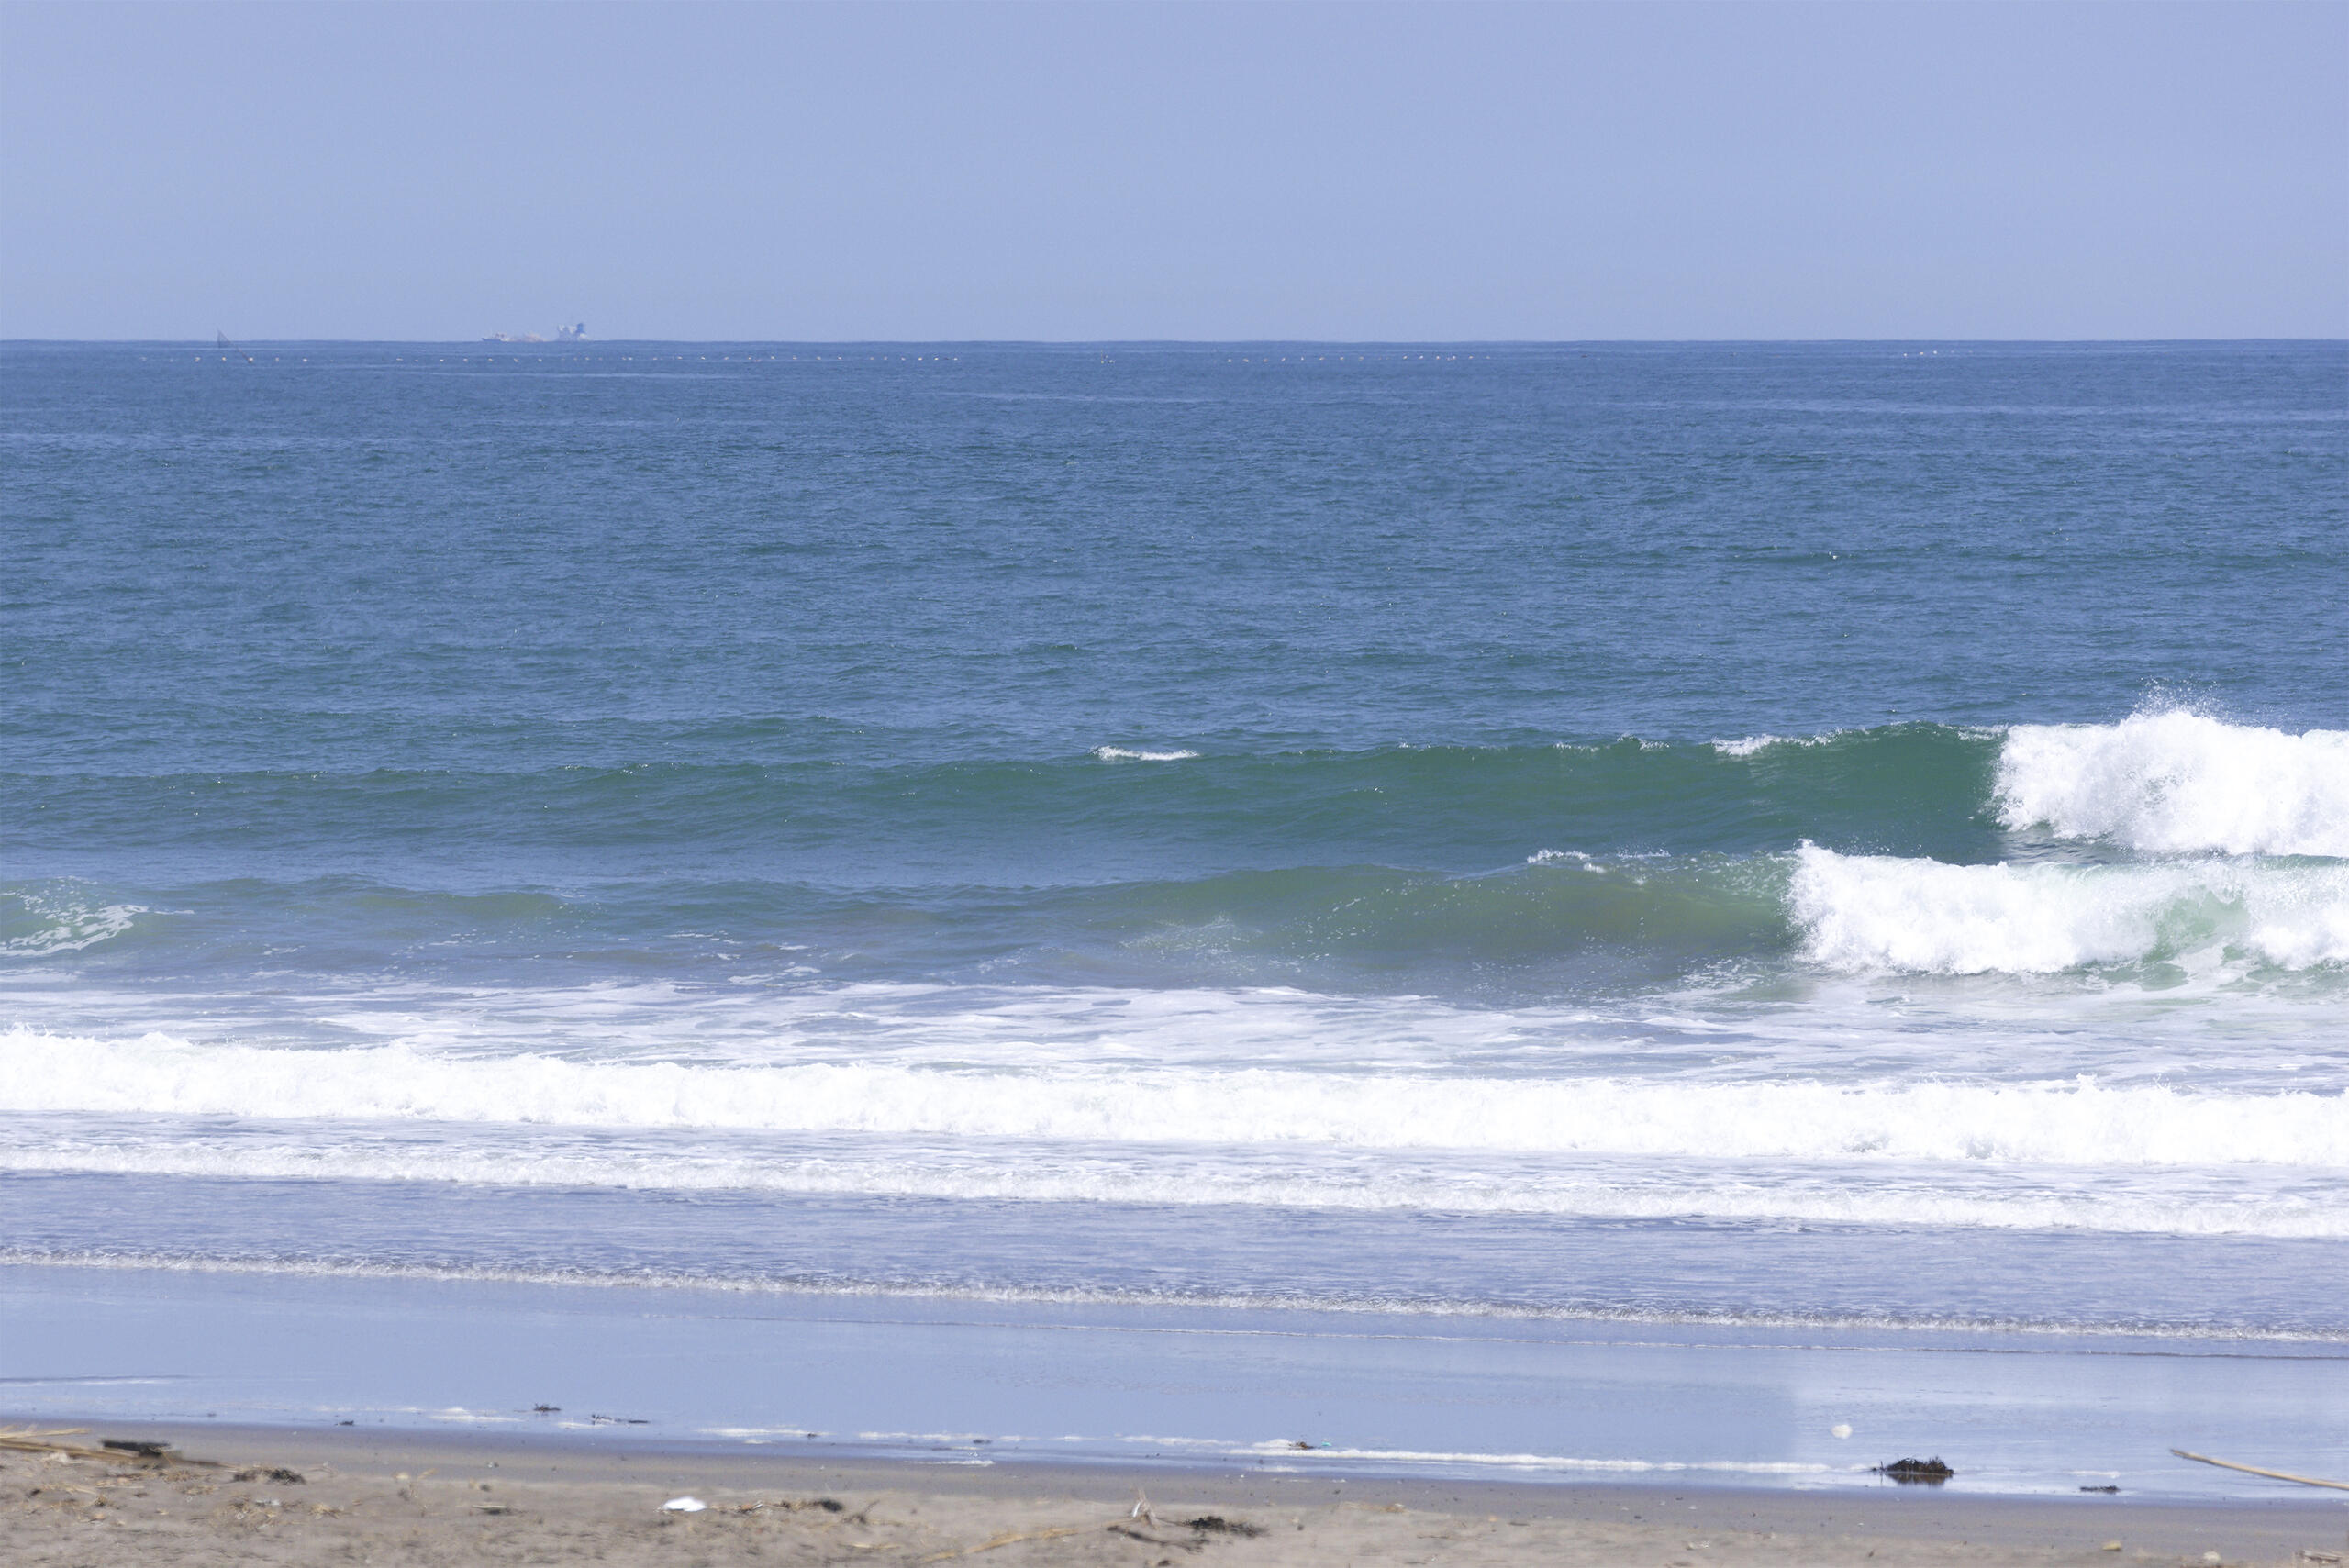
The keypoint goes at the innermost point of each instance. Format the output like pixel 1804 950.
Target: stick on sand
pixel 1007 1539
pixel 2255 1470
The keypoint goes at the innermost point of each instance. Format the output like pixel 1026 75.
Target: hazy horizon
pixel 1187 172
pixel 591 340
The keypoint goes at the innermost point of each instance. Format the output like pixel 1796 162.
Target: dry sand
pixel 409 1498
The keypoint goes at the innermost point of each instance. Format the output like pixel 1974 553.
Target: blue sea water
pixel 1831 834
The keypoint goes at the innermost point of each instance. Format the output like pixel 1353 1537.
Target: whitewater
pixel 2174 991
pixel 1356 837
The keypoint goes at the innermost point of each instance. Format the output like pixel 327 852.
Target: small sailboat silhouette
pixel 227 347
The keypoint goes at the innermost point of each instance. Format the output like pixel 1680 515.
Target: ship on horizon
pixel 576 333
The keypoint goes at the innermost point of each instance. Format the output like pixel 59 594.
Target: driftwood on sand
pixel 2255 1470
pixel 114 1450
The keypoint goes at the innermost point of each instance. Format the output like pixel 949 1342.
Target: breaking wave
pixel 2180 783
pixel 2153 783
pixel 2075 1123
pixel 1864 912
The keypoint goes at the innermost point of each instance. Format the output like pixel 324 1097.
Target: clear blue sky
pixel 1115 171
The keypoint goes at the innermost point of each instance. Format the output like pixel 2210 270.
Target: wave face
pixel 1557 923
pixel 1109 813
pixel 1669 799
pixel 2163 783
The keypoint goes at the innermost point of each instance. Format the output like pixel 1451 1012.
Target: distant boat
pixel 577 334
pixel 229 346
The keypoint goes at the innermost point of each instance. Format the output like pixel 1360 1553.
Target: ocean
pixel 1852 836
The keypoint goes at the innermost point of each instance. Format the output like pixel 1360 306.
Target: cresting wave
pixel 1654 914
pixel 2157 783
pixel 1862 912
pixel 2178 782
pixel 2160 782
pixel 2052 1124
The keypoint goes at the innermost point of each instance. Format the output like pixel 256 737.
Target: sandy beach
pixel 258 1494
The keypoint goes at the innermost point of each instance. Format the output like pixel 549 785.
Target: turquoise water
pixel 1828 834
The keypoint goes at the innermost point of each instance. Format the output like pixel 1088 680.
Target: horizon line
pixel 1142 342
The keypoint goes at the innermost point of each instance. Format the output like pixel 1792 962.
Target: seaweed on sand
pixel 1917 1472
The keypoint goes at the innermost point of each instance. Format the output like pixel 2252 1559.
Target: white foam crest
pixel 1878 912
pixel 1910 1194
pixel 2214 1027
pixel 1122 755
pixel 2049 1123
pixel 2177 782
pixel 1748 745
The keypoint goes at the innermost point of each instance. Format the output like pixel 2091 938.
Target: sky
pixel 1111 171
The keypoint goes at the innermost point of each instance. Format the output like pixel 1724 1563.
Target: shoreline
pixel 1887 1331
pixel 401 1496
pixel 815 1379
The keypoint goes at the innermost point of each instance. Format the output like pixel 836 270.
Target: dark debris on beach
pixel 1216 1523
pixel 1917 1472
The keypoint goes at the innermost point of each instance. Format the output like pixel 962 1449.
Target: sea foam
pixel 2271 1201
pixel 2058 1123
pixel 2175 783
pixel 1866 912
pixel 34 924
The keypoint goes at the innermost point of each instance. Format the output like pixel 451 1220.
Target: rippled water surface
pixel 1836 833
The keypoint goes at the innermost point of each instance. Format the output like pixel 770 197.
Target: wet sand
pixel 396 1497
pixel 1090 1383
